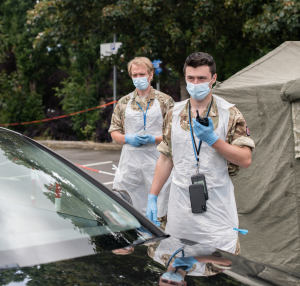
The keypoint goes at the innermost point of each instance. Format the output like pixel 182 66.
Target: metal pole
pixel 157 85
pixel 115 76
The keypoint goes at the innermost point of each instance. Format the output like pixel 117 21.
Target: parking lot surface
pixel 102 161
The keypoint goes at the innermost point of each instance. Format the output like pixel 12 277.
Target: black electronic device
pixel 199 179
pixel 202 120
pixel 197 197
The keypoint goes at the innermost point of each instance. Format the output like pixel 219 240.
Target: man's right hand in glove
pixel 132 140
pixel 151 212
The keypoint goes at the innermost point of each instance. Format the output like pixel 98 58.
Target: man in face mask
pixel 137 123
pixel 215 149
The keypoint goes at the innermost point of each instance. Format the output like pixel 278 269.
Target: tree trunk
pixel 89 77
pixel 32 86
pixel 87 84
pixel 183 92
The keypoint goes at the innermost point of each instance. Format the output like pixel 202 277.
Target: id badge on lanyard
pixel 198 189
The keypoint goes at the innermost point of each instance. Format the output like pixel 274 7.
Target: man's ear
pixel 215 78
pixel 151 76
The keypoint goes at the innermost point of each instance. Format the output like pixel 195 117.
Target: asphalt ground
pixel 99 160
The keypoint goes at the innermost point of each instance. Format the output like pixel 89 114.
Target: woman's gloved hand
pixel 185 261
pixel 132 140
pixel 146 139
pixel 151 212
pixel 205 133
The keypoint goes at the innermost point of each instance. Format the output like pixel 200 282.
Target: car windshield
pixel 45 202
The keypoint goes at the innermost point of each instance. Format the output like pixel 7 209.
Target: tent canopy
pixel 275 68
pixel 268 193
pixel 291 90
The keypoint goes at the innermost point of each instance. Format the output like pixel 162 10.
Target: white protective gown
pixel 137 164
pixel 216 225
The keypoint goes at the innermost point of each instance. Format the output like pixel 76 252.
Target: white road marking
pixel 9 179
pixel 106 173
pixel 21 176
pixel 108 183
pixel 96 164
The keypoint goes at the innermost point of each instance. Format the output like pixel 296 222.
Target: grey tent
pixel 268 193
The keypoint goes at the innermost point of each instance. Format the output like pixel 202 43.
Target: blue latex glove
pixel 185 261
pixel 151 212
pixel 242 231
pixel 146 139
pixel 205 133
pixel 132 140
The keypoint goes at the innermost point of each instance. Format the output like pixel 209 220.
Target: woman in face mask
pixel 137 123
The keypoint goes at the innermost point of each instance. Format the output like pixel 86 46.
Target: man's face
pixel 140 71
pixel 199 75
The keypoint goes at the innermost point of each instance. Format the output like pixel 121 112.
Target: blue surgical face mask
pixel 198 91
pixel 141 83
pixel 171 275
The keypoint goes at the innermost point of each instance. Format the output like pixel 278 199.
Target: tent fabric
pixel 268 192
pixel 296 126
pixel 291 90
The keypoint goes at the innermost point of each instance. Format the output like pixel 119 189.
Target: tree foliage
pixel 51 36
pixel 17 104
pixel 169 30
pixel 278 21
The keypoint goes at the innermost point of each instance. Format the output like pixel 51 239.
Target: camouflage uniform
pixel 136 167
pixel 118 118
pixel 237 134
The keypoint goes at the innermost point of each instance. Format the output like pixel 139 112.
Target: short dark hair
pixel 200 59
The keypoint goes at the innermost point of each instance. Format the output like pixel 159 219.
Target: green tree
pixel 23 88
pixel 277 21
pixel 169 30
pixel 16 104
pixel 78 26
pixel 77 97
pixel 33 64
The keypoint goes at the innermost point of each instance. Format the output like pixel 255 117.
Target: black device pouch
pixel 198 189
pixel 198 193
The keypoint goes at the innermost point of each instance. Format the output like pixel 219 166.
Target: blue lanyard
pixel 192 135
pixel 144 113
pixel 177 251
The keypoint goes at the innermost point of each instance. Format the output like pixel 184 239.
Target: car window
pixel 59 204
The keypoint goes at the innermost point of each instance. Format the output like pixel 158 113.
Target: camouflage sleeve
pixel 169 104
pixel 116 120
pixel 165 146
pixel 152 248
pixel 238 132
pixel 238 135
